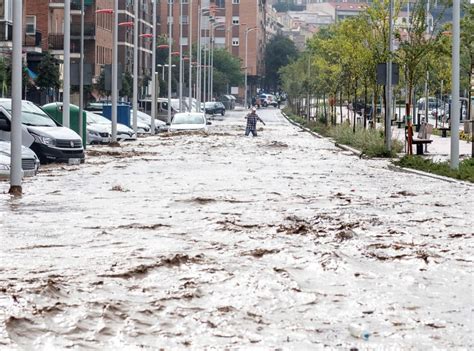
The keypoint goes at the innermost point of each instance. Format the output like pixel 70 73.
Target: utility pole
pixel 153 72
pixel 190 46
pixel 135 67
pixel 81 78
pixel 388 86
pixel 170 48
pixel 114 87
pixel 180 85
pixel 17 81
pixel 67 62
pixel 454 164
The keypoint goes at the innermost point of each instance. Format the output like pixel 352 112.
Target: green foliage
pixel 100 86
pixel 48 73
pixel 127 85
pixel 371 142
pixel 465 171
pixel 4 76
pixel 279 52
pixel 226 71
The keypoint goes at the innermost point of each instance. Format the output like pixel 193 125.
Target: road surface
pixel 224 241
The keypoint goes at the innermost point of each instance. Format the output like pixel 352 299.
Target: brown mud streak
pixel 143 269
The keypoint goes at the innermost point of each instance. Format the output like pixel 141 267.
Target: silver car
pixel 29 161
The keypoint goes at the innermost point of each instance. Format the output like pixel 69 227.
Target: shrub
pixel 465 171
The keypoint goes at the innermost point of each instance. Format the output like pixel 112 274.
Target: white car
pixel 191 121
pixel 29 161
pixel 99 122
pixel 142 117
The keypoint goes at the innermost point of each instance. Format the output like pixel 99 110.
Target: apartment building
pixel 125 37
pixel 229 21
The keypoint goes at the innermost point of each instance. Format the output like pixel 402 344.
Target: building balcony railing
pixel 89 29
pixel 33 40
pixel 56 42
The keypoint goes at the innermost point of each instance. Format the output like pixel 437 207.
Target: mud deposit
pixel 215 241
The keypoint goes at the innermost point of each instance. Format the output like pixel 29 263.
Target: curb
pixel 392 167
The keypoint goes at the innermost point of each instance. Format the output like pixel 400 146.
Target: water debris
pixel 143 226
pixel 143 269
pixel 275 143
pixel 345 234
pixel 119 188
pixel 233 225
pixel 258 253
pixel 118 153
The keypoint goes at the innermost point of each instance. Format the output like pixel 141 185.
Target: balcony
pixel 31 40
pixel 56 42
pixel 89 30
pixel 75 4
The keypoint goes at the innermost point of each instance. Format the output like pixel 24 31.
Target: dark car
pixel 214 108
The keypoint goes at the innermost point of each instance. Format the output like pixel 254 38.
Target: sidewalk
pixel 440 148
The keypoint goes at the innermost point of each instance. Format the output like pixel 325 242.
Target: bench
pixel 444 131
pixel 419 144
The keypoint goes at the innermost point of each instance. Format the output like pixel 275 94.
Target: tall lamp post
pixel 190 49
pixel 170 44
pixel 135 68
pixel 15 159
pixel 247 31
pixel 67 63
pixel 81 75
pixel 153 73
pixel 455 115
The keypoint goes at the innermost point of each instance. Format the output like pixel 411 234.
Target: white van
pixel 48 139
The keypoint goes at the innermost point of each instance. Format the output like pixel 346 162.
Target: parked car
pixel 29 161
pixel 189 121
pixel 214 108
pixel 47 138
pixel 268 100
pixel 98 121
pixel 142 117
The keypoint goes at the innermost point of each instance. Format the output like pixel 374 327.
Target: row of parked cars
pixel 45 140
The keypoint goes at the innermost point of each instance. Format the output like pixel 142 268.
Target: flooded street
pixel 224 241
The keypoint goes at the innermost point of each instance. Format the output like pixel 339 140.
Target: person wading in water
pixel 252 119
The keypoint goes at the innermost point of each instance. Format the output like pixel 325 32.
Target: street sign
pixel 382 73
pixel 108 77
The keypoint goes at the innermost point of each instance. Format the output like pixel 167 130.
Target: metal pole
pixel 426 96
pixel 204 73
pixel 245 64
pixel 67 62
pixel 180 85
pixel 15 158
pixel 170 43
pixel 153 73
pixel 388 87
pixel 455 87
pixel 190 46
pixel 114 87
pixel 198 69
pixel 81 79
pixel 135 67
pixel 212 62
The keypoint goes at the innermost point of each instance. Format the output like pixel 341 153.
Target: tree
pixel 127 85
pixel 227 71
pixel 4 76
pixel 279 52
pixel 48 75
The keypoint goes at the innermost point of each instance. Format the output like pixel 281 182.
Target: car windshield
pixel 31 115
pixel 186 118
pixel 95 118
pixel 210 104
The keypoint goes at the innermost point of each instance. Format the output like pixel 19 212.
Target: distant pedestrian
pixel 252 119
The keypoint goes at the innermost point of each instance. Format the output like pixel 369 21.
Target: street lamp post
pixel 135 68
pixel 180 43
pixel 455 115
pixel 67 63
pixel 153 73
pixel 170 44
pixel 190 47
pixel 81 75
pixel 114 74
pixel 247 31
pixel 15 159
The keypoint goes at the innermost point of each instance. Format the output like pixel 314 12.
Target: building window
pixel 236 2
pixel 30 25
pixel 184 41
pixel 184 1
pixel 184 19
pixel 170 1
pixel 170 20
pixel 235 20
pixel 235 41
pixel 220 4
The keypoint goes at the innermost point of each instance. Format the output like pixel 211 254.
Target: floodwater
pixel 223 241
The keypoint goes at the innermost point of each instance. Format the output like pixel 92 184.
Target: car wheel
pixel 265 104
pixel 222 112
